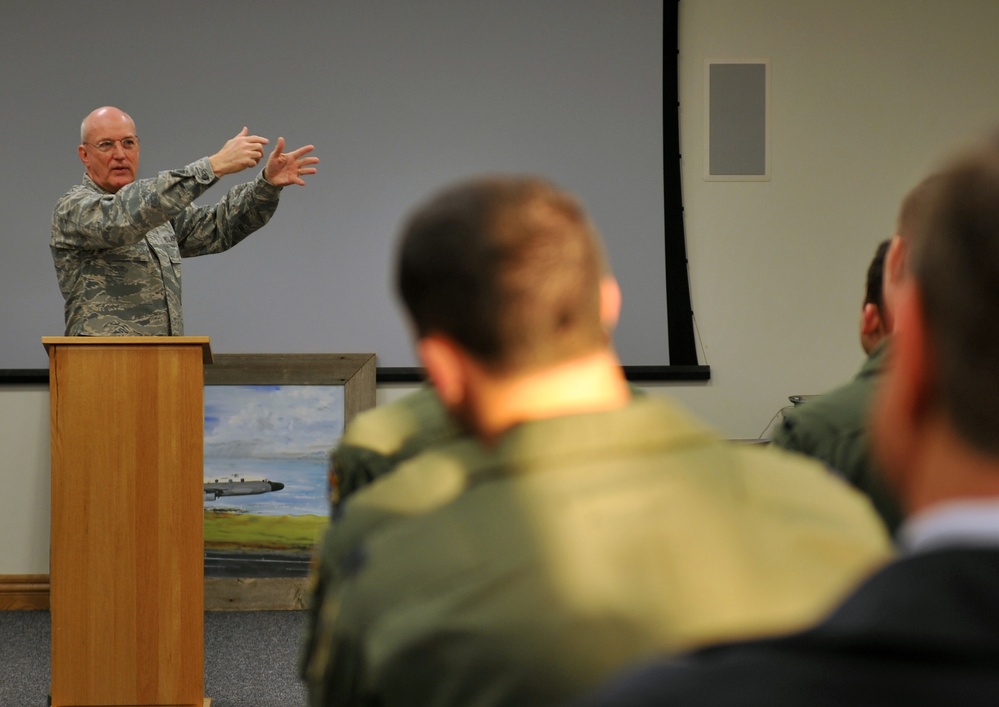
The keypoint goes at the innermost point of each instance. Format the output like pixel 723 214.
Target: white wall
pixel 24 479
pixel 866 98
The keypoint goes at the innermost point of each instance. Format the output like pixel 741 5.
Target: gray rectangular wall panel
pixel 737 122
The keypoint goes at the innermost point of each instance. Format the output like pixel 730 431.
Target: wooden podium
pixel 127 553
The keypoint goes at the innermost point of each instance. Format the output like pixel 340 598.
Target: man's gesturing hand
pixel 239 153
pixel 284 168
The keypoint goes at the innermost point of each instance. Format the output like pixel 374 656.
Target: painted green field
pixel 246 531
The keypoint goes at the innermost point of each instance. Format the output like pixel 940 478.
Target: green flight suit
pixel 529 573
pixel 834 429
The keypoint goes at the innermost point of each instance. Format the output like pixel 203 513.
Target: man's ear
pixel 444 362
pixel 872 327
pixel 870 322
pixel 610 302
pixel 82 152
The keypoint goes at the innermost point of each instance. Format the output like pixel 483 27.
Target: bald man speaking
pixel 117 241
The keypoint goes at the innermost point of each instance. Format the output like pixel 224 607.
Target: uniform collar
pixel 968 523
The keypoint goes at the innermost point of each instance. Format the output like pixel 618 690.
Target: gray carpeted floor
pixel 250 658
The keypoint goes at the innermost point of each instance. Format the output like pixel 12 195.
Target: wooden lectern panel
pixel 127 572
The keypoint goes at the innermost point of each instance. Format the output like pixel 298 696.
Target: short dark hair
pixel 954 256
pixel 507 267
pixel 874 293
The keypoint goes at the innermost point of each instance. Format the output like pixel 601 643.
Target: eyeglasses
pixel 128 144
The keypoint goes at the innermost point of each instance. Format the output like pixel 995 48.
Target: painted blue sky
pixel 267 421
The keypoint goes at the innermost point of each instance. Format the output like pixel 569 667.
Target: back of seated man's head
pixel 954 258
pixel 508 268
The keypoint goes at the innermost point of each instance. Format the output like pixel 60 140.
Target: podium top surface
pixel 49 341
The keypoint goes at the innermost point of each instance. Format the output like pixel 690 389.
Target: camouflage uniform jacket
pixel 118 255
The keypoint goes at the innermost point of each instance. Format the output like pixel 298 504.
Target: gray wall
pixel 399 98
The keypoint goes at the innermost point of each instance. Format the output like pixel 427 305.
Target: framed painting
pixel 270 422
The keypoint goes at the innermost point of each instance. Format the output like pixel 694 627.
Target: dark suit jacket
pixel 922 631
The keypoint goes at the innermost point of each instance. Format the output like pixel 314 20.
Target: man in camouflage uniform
pixel 117 241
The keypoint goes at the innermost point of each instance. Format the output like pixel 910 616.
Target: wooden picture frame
pixel 262 375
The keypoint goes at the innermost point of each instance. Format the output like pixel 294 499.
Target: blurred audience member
pixel 580 527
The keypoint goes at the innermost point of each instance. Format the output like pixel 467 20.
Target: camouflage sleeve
pixel 213 229
pixel 87 218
